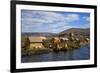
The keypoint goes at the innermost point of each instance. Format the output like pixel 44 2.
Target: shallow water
pixel 82 53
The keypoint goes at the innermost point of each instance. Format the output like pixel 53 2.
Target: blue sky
pixel 54 22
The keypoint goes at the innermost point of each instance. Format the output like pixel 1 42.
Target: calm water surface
pixel 82 53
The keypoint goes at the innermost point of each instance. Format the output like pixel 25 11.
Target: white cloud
pixel 46 21
pixel 87 18
pixel 43 17
pixel 35 19
pixel 72 17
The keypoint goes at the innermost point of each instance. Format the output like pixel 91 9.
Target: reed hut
pixel 36 42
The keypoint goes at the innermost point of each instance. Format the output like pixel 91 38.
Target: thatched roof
pixel 36 39
pixel 64 38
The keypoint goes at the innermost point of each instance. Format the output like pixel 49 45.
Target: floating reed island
pixel 39 44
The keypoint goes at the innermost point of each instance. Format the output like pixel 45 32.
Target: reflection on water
pixel 82 53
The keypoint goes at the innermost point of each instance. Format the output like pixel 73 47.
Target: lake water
pixel 82 53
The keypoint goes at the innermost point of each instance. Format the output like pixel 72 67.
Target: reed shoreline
pixel 46 50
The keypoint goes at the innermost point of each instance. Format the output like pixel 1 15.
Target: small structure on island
pixel 87 40
pixel 36 42
pixel 64 38
pixel 59 43
pixel 64 43
pixel 71 36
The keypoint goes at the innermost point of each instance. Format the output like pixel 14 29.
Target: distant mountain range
pixel 46 34
pixel 78 32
